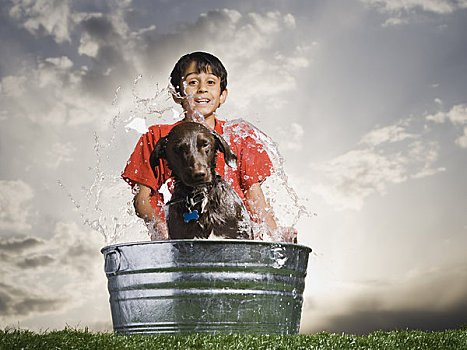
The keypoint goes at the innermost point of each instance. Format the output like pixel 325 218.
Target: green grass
pixel 83 339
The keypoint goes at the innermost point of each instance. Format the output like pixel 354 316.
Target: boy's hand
pixel 155 224
pixel 281 234
pixel 190 113
pixel 285 234
pixel 158 230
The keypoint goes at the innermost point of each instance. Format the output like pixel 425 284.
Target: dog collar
pixel 198 196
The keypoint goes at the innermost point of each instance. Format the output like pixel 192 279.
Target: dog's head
pixel 190 150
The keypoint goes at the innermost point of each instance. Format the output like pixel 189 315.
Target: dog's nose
pixel 199 173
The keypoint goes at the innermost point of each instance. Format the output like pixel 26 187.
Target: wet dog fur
pixel 191 149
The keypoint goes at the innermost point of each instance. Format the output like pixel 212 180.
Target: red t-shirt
pixel 253 163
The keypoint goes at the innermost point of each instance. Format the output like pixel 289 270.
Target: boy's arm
pixel 257 205
pixel 156 225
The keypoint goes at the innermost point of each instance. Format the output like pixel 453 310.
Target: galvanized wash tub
pixel 224 286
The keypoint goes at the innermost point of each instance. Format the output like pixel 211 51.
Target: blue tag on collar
pixel 191 216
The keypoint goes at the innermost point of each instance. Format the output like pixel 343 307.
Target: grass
pixel 83 339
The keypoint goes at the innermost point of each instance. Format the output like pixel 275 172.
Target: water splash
pixel 287 207
pixel 279 255
pixel 107 205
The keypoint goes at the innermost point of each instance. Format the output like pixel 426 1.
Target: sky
pixel 366 100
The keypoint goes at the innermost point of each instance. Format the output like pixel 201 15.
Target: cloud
pixel 76 246
pixel 59 268
pixel 58 153
pixel 51 107
pixel 15 197
pixel 402 10
pixel 59 90
pixel 266 43
pixel 62 98
pixel 291 139
pixel 52 95
pixel 62 19
pixel 457 116
pixel 384 156
pixel 44 17
pixel 462 140
pixel 418 300
pixel 104 37
pixel 35 261
pixel 13 86
pixel 257 39
pixel 19 302
pixel 17 245
pixel 388 134
pixel 435 6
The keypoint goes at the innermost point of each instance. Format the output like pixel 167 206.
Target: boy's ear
pixel 229 156
pixel 158 153
pixel 223 96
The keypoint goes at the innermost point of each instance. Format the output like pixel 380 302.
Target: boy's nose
pixel 202 88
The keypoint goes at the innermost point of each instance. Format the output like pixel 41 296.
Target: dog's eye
pixel 204 144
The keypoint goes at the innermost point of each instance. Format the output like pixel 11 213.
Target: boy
pixel 200 80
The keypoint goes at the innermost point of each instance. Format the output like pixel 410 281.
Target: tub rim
pixel 207 241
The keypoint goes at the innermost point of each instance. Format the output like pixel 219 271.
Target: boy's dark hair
pixel 203 61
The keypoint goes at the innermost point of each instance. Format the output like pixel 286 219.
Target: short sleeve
pixel 255 164
pixel 138 169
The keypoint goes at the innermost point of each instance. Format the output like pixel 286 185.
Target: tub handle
pixel 112 262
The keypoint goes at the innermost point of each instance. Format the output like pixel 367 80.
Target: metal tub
pixel 224 286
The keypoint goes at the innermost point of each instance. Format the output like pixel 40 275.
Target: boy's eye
pixel 192 82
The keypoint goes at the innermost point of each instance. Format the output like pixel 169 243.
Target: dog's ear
pixel 229 156
pixel 158 153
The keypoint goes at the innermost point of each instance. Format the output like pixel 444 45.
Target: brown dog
pixel 202 203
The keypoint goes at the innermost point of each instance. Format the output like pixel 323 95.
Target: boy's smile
pixel 202 91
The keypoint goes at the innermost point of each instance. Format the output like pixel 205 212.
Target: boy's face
pixel 202 91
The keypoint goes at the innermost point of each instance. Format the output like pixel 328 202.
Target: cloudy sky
pixel 367 100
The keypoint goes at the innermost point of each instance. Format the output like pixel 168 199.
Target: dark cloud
pixel 21 302
pixel 365 321
pixel 96 83
pixel 35 261
pixel 434 300
pixel 17 245
pixel 81 250
pixel 36 304
pixel 4 302
pixel 105 54
pixel 134 17
pixel 4 257
pixel 206 31
pixel 14 251
pixel 110 57
pixel 81 257
pixel 100 28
